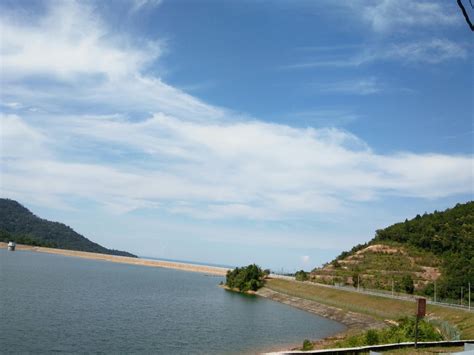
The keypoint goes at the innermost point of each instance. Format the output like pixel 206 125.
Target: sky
pixel 234 132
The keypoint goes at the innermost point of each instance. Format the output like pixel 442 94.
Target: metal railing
pixel 381 293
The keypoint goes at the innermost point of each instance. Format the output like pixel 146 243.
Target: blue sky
pixel 233 132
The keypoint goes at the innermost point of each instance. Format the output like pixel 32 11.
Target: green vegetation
pixel 412 255
pixel 24 239
pixel 403 332
pixel 380 308
pixel 425 350
pixel 19 224
pixel 307 345
pixel 381 267
pixel 449 235
pixel 301 275
pixel 244 279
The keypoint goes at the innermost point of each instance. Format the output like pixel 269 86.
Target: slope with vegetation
pixel 19 224
pixel 452 323
pixel 412 256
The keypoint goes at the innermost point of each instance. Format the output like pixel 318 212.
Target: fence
pixel 374 348
pixel 382 293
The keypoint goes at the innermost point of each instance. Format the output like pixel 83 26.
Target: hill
pixel 412 256
pixel 20 224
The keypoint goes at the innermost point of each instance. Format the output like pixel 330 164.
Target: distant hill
pixel 412 255
pixel 18 223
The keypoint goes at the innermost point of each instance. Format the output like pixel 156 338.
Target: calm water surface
pixel 53 303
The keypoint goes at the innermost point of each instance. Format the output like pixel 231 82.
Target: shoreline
pixel 354 322
pixel 351 320
pixel 203 269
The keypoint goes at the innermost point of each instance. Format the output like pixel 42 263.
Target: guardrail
pixel 375 348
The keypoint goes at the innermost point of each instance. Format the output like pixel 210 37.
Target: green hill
pixel 412 256
pixel 19 224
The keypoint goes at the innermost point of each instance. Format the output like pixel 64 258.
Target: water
pixel 52 303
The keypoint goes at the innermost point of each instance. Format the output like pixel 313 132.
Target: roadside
pixel 378 310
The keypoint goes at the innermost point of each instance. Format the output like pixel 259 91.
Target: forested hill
pixel 435 247
pixel 19 224
pixel 443 233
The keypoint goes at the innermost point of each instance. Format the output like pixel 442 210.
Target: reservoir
pixel 54 303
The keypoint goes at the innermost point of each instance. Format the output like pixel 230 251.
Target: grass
pixel 378 307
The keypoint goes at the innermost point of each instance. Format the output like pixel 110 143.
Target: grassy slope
pixel 377 307
pixel 377 269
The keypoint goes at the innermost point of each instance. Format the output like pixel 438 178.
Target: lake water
pixel 52 303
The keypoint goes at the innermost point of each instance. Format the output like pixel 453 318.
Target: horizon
pixel 233 133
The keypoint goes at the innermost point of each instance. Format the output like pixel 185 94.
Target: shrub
pixel 403 332
pixel 371 337
pixel 301 275
pixel 307 345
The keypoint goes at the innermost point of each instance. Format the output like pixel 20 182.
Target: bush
pixel 371 337
pixel 307 345
pixel 403 332
pixel 301 275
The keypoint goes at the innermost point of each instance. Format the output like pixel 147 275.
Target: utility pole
pixel 462 289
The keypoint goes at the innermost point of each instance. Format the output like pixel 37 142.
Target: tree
pixel 249 278
pixel 407 284
pixel 301 275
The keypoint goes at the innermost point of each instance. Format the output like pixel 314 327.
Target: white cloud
pixel 81 63
pixel 69 42
pixel 399 15
pixel 183 155
pixel 366 86
pixel 430 51
pixel 217 170
pixel 305 259
pixel 137 5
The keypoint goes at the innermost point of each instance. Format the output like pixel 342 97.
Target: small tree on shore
pixel 301 275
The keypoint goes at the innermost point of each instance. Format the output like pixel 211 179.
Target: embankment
pixel 352 320
pixel 380 309
pixel 210 270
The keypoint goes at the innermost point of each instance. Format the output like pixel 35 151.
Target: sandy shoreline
pixel 210 270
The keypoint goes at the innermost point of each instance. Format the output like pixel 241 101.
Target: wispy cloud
pixel 399 15
pixel 138 5
pixel 386 16
pixel 80 63
pixel 243 170
pixel 179 154
pixel 366 86
pixel 431 51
